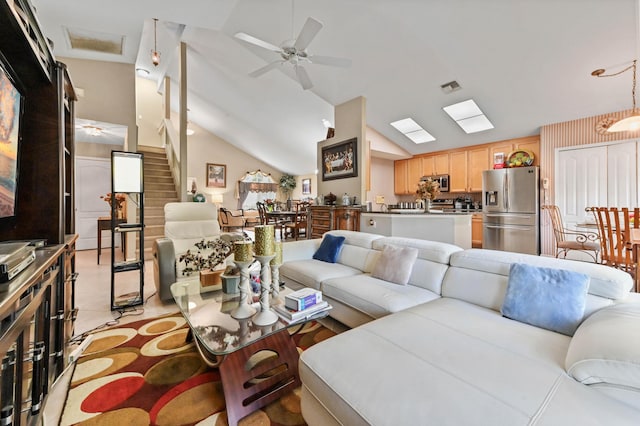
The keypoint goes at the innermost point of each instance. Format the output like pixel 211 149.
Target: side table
pixel 104 224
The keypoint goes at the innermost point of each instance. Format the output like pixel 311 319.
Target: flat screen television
pixel 11 107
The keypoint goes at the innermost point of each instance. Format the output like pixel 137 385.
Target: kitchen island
pixel 452 228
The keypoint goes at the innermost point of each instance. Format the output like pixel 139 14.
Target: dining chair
pixel 614 225
pixel 567 239
pixel 266 220
pixel 299 224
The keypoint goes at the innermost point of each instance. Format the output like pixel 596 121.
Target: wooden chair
pixel 266 220
pixel 614 225
pixel 567 240
pixel 229 221
pixel 299 224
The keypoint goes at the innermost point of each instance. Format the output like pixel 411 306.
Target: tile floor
pixel 93 300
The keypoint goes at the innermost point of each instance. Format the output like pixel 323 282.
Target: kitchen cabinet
pixel 327 218
pixel 476 230
pixel 400 175
pixel 531 144
pixel 477 162
pixel 435 165
pixel 458 171
pixel 414 173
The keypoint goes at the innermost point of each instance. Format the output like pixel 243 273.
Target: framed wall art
pixel 216 175
pixel 306 186
pixel 340 160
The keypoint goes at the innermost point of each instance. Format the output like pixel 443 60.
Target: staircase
pixel 159 189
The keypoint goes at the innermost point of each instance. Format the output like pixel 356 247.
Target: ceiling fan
pixel 295 53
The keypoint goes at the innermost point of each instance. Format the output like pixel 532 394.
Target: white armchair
pixel 185 224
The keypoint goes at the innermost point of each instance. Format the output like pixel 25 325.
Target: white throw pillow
pixel 606 348
pixel 395 264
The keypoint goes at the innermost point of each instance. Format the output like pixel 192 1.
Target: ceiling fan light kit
pixel 295 53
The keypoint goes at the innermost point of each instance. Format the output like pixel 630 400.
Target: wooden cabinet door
pixel 478 161
pixel 441 164
pixel 428 166
pixel 458 171
pixel 532 146
pixel 476 231
pixel 347 219
pixel 501 147
pixel 414 173
pixel 400 176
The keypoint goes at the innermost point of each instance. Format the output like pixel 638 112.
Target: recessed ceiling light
pixel 413 130
pixel 468 116
pixel 142 72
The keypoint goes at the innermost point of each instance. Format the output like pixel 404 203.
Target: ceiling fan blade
pixel 268 67
pixel 331 61
pixel 257 42
pixel 308 33
pixel 303 78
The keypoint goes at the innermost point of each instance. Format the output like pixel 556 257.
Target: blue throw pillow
pixel 548 298
pixel 329 249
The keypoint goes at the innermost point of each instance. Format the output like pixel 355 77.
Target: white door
pixel 93 179
pixel 581 181
pixel 621 175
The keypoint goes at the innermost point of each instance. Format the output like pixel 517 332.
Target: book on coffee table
pixel 302 299
pixel 291 315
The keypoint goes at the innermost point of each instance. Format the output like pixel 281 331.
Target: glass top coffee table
pixel 257 364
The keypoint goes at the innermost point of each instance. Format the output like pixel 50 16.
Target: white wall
pixel 149 112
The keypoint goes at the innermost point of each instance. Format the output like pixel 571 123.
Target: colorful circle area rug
pixel 146 373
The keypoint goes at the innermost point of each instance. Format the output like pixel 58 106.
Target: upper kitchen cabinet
pixel 414 173
pixel 407 174
pixel 477 162
pixel 531 144
pixel 458 171
pixel 466 169
pixel 435 165
pixel 400 176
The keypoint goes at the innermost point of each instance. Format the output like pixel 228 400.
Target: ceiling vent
pixel 451 86
pixel 94 41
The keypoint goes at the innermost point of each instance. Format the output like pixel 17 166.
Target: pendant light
pixel 631 122
pixel 155 55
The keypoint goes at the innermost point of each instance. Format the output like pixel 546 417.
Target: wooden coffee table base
pixel 248 387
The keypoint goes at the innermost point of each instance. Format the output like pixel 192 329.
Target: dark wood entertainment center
pixel 37 306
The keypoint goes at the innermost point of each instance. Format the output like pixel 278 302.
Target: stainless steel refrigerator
pixel 510 209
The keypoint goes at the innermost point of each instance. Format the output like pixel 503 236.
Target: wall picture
pixel 340 160
pixel 216 175
pixel 306 186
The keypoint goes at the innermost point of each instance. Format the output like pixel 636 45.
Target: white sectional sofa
pixel 438 350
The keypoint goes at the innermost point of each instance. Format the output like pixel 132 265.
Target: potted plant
pixel 208 256
pixel 287 185
pixel 428 189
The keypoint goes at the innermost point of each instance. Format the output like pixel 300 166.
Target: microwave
pixel 443 180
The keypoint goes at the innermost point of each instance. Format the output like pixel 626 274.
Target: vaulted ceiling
pixel 526 63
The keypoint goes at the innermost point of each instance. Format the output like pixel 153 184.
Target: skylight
pixel 413 131
pixel 468 116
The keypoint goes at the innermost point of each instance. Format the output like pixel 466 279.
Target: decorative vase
pixel 427 205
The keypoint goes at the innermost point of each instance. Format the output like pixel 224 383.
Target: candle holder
pixel 275 269
pixel 266 316
pixel 244 309
pixel 275 280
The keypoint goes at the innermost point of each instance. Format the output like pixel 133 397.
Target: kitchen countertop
pixel 434 211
